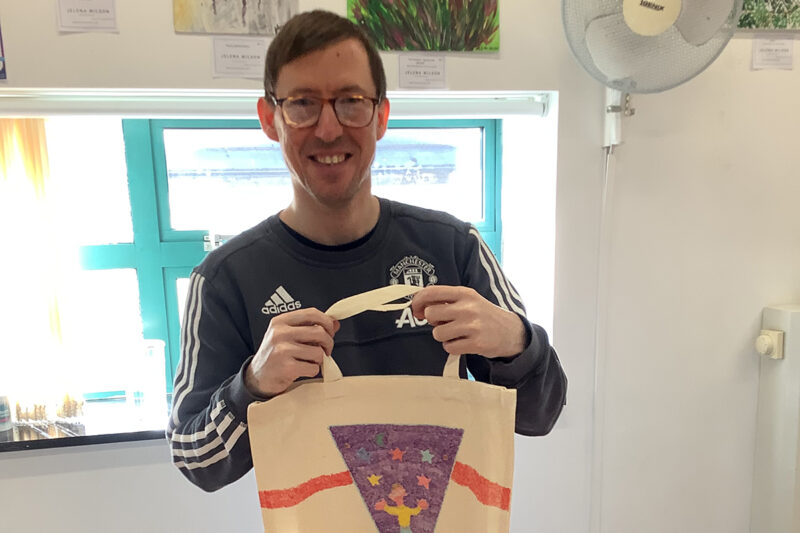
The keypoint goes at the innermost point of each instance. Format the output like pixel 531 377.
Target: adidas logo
pixel 280 302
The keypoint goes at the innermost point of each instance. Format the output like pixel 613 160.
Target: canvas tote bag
pixel 392 454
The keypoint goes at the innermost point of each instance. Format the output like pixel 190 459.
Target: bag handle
pixel 376 300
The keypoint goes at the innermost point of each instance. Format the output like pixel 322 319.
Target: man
pixel 253 324
pixel 402 511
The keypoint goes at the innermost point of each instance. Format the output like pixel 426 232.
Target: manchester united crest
pixel 412 270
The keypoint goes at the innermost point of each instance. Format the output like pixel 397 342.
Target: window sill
pixel 14 446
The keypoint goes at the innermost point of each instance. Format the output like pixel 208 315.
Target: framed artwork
pixel 2 59
pixel 429 25
pixel 241 17
pixel 770 15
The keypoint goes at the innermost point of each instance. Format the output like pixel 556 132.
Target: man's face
pixel 330 163
pixel 397 494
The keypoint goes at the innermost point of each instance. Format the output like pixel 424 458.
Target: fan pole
pixel 617 105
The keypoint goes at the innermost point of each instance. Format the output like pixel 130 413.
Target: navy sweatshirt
pixel 268 270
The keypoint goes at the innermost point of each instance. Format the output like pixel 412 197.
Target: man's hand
pixel 466 322
pixel 293 347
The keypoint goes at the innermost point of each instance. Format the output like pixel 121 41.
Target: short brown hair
pixel 311 31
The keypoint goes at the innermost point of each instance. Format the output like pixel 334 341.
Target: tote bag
pixel 392 454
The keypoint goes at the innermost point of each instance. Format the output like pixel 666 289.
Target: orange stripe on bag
pixel 273 499
pixel 487 492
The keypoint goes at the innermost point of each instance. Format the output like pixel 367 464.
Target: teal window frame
pixel 161 255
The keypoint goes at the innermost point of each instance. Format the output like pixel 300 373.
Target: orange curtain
pixel 23 144
pixel 23 158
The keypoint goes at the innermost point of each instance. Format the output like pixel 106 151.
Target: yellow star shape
pixel 374 480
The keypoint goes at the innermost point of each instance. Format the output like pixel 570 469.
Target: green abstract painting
pixel 770 15
pixel 429 25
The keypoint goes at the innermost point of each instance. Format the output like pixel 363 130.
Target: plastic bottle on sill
pixel 6 427
pixel 147 392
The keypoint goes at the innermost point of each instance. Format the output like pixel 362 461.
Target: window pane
pixel 228 180
pixel 224 180
pixel 89 180
pixel 437 168
pixel 75 362
pixel 102 328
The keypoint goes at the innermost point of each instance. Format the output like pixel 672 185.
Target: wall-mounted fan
pixel 646 46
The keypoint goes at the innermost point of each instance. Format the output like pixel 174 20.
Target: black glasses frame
pixel 332 101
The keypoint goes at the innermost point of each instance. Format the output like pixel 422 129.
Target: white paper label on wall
pixel 422 71
pixel 87 15
pixel 650 17
pixel 771 53
pixel 239 57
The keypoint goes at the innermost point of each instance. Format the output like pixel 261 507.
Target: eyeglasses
pixel 353 111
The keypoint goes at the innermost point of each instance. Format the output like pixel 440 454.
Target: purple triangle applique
pixel 401 471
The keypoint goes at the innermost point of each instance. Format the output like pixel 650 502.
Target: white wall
pixel 703 234
pixel 124 487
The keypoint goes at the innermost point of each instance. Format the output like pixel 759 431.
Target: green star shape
pixel 427 456
pixel 380 439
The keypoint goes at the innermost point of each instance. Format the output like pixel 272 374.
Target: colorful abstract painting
pixel 770 15
pixel 2 59
pixel 242 17
pixel 429 25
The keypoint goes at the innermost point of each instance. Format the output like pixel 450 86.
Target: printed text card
pixel 87 15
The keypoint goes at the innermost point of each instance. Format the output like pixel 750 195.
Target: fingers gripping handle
pixel 375 300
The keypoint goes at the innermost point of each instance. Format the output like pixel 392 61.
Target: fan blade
pixel 700 20
pixel 650 17
pixel 616 51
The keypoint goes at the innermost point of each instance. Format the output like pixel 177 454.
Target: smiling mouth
pixel 330 159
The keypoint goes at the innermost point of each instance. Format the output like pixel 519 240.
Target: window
pixel 119 234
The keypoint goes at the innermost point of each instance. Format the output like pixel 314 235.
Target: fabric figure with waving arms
pixel 400 509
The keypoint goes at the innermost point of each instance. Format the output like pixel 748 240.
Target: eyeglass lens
pixel 354 112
